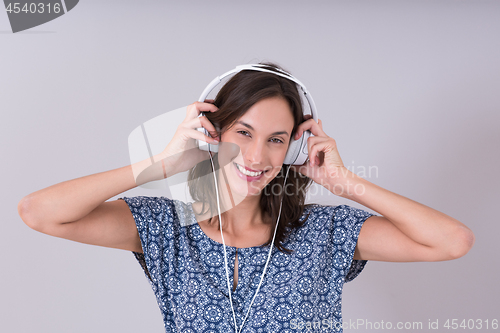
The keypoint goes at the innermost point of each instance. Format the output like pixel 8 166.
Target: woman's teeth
pixel 248 173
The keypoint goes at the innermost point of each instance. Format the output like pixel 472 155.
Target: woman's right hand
pixel 182 153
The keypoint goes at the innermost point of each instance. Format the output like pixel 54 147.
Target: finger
pixel 299 131
pixel 309 125
pixel 196 108
pixel 317 129
pixel 306 117
pixel 209 101
pixel 315 144
pixel 314 155
pixel 313 158
pixel 311 150
pixel 204 107
pixel 207 124
pixel 203 122
pixel 197 135
pixel 320 149
pixel 302 127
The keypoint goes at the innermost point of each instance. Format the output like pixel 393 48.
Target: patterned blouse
pixel 301 292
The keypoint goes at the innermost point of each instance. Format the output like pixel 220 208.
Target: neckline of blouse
pixel 213 241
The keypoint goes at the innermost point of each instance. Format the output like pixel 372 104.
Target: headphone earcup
pixel 297 153
pixel 204 145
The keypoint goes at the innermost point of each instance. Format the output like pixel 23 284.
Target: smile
pixel 249 174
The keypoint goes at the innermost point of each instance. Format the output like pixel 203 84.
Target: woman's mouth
pixel 247 175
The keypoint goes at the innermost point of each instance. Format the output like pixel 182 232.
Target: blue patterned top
pixel 301 292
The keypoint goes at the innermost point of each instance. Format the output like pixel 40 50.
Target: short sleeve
pixel 347 225
pixel 152 216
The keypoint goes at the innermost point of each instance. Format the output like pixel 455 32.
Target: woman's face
pixel 263 135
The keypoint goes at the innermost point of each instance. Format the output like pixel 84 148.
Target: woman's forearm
pixel 73 199
pixel 422 224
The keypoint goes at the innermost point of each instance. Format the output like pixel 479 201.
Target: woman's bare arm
pixel 77 209
pixel 407 230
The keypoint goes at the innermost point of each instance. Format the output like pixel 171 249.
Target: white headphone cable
pixel 268 258
pixel 223 242
pixel 225 255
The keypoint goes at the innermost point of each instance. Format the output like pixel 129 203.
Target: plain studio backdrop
pixel 408 89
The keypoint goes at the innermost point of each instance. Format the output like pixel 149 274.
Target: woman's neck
pixel 240 230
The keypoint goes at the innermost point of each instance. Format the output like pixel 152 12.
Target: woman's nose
pixel 254 152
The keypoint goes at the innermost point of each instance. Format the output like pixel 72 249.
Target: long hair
pixel 238 95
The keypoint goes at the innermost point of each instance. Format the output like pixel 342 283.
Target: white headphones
pixel 297 152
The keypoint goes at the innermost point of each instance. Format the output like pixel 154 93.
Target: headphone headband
pixel 262 68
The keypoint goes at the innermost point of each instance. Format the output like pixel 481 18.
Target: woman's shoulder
pixel 154 204
pixel 338 214
pixel 162 208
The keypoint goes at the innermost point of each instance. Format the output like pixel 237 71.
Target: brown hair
pixel 239 94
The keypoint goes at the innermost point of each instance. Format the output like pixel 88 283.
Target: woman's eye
pixel 245 133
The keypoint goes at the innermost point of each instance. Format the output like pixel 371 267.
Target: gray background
pixel 410 87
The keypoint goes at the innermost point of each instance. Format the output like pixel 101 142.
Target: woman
pixel 202 285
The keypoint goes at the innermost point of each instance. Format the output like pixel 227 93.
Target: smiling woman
pixel 286 262
pixel 260 113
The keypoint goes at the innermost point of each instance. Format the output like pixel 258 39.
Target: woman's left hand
pixel 324 163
